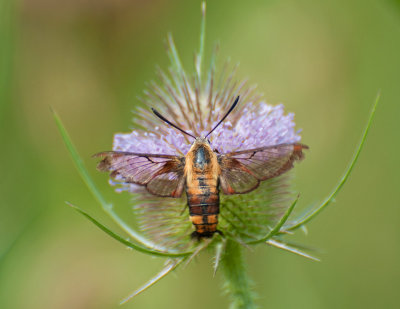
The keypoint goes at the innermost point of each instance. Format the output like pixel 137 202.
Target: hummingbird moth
pixel 202 173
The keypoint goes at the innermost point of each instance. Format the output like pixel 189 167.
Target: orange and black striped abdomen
pixel 203 202
pixel 202 172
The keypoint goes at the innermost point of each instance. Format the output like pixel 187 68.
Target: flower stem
pixel 237 284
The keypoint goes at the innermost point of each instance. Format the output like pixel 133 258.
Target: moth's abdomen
pixel 203 202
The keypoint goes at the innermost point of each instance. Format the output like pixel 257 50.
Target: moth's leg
pixel 220 233
pixel 195 236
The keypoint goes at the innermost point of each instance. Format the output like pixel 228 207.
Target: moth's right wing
pixel 162 175
pixel 242 171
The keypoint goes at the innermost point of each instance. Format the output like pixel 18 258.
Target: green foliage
pixel 124 241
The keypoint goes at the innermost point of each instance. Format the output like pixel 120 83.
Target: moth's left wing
pixel 242 171
pixel 162 175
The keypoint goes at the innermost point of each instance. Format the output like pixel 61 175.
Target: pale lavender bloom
pixel 254 124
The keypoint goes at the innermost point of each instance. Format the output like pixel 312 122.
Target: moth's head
pixel 202 140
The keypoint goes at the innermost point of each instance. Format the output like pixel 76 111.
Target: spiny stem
pixel 237 284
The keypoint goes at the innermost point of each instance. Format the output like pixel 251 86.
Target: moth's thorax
pixel 201 159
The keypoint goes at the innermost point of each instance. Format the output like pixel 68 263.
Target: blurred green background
pixel 89 60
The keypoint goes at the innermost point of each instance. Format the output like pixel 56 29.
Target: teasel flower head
pixel 196 107
pixel 196 102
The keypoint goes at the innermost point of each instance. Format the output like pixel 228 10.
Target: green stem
pixel 237 283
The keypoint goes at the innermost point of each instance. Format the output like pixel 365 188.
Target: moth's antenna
pixel 226 115
pixel 170 123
